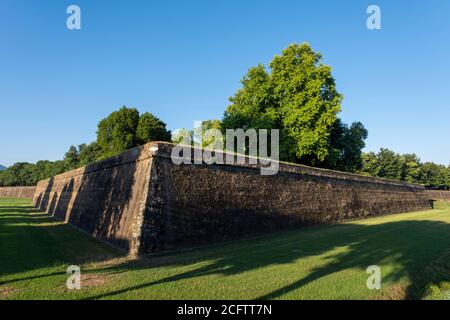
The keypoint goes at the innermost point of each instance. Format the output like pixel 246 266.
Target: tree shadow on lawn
pixel 421 248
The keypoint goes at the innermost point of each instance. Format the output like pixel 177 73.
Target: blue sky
pixel 181 60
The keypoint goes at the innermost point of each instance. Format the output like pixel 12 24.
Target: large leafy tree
pixel 434 175
pixel 385 164
pixel 308 100
pixel 125 129
pixel 89 153
pixel 345 146
pixel 370 165
pixel 297 95
pixel 150 128
pixel 411 168
pixel 447 177
pixel 390 165
pixel 43 170
pixel 72 158
pixel 117 132
pixel 253 105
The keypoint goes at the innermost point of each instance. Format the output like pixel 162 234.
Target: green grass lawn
pixel 323 262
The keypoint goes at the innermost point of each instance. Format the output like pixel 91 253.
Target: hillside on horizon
pixel 2 168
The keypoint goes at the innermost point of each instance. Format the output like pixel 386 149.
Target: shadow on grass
pixel 419 248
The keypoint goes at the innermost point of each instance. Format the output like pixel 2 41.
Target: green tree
pixel 57 168
pixel 89 153
pixel 308 101
pixel 391 165
pixel 434 175
pixel 117 132
pixel 43 170
pixel 19 174
pixel 447 177
pixel 370 164
pixel 150 128
pixel 72 158
pixel 297 95
pixel 253 105
pixel 345 147
pixel 406 167
pixel 385 164
pixel 412 171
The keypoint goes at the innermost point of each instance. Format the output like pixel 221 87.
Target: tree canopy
pixel 297 95
pixel 117 132
pixel 125 129
pixel 150 128
pixel 345 147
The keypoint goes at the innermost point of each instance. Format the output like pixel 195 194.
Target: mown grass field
pixel 323 262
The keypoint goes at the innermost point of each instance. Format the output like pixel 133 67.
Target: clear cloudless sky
pixel 181 60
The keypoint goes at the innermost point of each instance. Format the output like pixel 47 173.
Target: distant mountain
pixel 2 167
